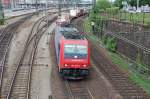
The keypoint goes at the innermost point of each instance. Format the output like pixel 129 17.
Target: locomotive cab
pixel 73 56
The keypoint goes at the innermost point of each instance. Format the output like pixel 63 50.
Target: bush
pixel 111 44
pixel 113 10
pixel 2 21
pixel 104 39
pixel 103 4
pixel 148 24
pixel 94 14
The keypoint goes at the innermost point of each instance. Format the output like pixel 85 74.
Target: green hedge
pixel 111 44
pixel 2 21
pixel 113 10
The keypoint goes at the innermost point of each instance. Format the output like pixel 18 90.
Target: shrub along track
pixel 18 86
pixel 120 81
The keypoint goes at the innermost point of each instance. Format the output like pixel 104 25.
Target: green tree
pixel 118 3
pixel 141 2
pixel 133 2
pixel 103 4
pixel 144 2
pixel 94 14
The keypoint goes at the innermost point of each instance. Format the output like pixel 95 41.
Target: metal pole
pixel 12 4
pixel 46 14
pixel 36 4
pixel 24 3
pixel 137 4
pixel 59 7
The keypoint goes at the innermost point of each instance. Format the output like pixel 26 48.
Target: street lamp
pixel 137 4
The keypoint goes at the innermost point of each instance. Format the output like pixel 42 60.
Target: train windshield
pixel 75 51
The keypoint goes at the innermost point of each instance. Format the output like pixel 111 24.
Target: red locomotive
pixel 73 53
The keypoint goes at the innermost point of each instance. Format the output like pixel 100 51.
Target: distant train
pixel 77 12
pixel 63 19
pixel 73 53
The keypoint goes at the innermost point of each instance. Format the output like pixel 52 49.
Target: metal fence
pixel 133 41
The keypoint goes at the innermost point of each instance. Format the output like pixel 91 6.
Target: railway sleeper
pixel 134 97
pixel 19 91
pixel 2 46
pixel 119 77
pixel 130 88
pixel 2 51
pixel 22 77
pixel 127 85
pixel 124 83
pixel 18 96
pixel 79 92
pixel 81 97
pixel 23 74
pixel 130 92
pixel 121 84
pixel 131 95
pixel 21 83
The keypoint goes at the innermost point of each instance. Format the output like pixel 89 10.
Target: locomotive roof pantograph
pixel 71 33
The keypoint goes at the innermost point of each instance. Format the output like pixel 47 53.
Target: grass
pixel 133 17
pixel 87 26
pixel 118 60
pixel 141 81
pixel 2 21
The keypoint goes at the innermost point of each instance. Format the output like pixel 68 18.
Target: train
pixel 74 13
pixel 72 53
pixel 63 19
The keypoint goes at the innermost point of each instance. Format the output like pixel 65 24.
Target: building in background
pixel 6 4
pixel 16 4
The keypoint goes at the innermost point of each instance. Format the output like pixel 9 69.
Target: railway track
pixel 5 39
pixel 20 79
pixel 126 88
pixel 78 90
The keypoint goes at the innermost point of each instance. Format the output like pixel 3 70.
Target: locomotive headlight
pixel 66 65
pixel 84 65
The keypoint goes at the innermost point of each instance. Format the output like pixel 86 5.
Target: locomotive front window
pixel 75 51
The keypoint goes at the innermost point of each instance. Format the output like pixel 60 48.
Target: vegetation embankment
pixel 110 44
pixel 113 11
pixel 138 18
pixel 2 21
